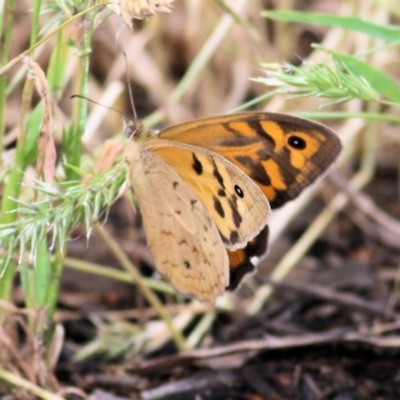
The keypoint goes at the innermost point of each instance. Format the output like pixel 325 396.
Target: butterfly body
pixel 205 188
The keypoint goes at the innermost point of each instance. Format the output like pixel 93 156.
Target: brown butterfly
pixel 205 189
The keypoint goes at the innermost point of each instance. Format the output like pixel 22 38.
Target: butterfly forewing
pixel 184 240
pixel 281 153
pixel 236 204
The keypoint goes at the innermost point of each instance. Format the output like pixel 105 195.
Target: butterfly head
pixel 132 129
pixel 136 131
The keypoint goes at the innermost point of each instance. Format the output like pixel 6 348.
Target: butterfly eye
pixel 297 142
pixel 130 130
pixel 239 191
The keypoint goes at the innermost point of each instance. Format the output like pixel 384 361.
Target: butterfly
pixel 206 188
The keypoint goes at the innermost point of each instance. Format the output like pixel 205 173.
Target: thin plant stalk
pixel 4 56
pixel 75 160
pixel 147 292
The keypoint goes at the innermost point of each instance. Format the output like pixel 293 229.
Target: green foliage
pixel 60 208
pixel 389 33
pixel 347 77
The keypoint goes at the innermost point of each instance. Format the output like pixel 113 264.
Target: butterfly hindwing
pixel 183 238
pixel 236 204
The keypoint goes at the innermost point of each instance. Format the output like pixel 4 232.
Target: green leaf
pixel 389 33
pixel 4 231
pixel 33 128
pixel 381 83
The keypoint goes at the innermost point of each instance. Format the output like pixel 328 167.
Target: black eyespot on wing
pixel 197 165
pixel 175 185
pixel 297 142
pixel 186 264
pixel 239 191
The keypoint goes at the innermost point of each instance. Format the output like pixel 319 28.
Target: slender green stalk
pixel 112 273
pixel 13 186
pixel 27 272
pixel 74 159
pixel 21 383
pixel 8 16
pixel 11 192
pixel 44 39
pixel 201 329
pixel 147 292
pixel 35 22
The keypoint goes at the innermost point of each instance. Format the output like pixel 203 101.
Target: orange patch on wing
pixel 274 130
pixel 274 173
pixel 244 128
pixel 236 258
pixel 231 152
pixel 269 191
pixel 297 159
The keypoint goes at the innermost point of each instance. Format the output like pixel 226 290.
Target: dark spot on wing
pixel 218 175
pixel 186 264
pixel 175 185
pixel 237 218
pixel 221 193
pixel 218 207
pixel 234 237
pixel 197 165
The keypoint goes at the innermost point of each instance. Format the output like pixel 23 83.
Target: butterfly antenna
pixel 79 96
pixel 128 82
